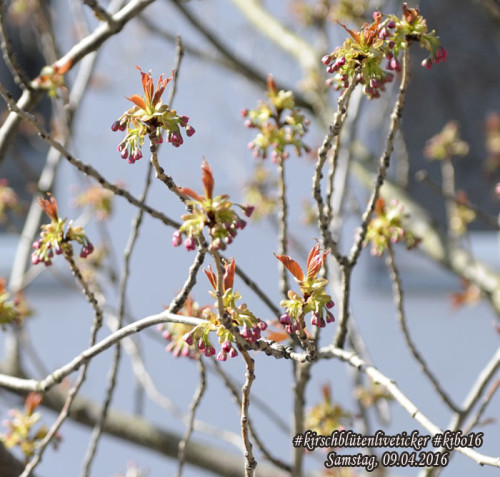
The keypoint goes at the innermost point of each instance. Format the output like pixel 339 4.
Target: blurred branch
pixel 89 44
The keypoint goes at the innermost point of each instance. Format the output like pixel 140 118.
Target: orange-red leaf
pixel 315 260
pixel 160 87
pixel 380 206
pixel 354 34
pixel 230 268
pixel 33 400
pixel 211 277
pixel 292 266
pixel 277 336
pixel 147 85
pixel 49 206
pixel 190 193
pixel 207 178
pixel 138 101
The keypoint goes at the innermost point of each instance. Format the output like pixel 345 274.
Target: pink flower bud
pixel 124 153
pixel 190 244
pixel 222 356
pixel 176 238
pixel 190 130
pixel 233 353
pixel 244 113
pixel 188 338
pixel 184 119
pixel 115 126
pixel 330 304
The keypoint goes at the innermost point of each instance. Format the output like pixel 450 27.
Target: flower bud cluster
pixel 327 416
pixel 20 427
pixel 11 310
pixel 313 298
pixel 174 333
pixel 55 237
pixel 9 200
pixel 362 56
pixel 279 123
pixel 248 325
pixel 215 213
pixel 99 199
pixel 150 117
pixel 388 227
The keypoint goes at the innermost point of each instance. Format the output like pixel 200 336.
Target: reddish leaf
pixel 354 34
pixel 211 277
pixel 207 178
pixel 410 14
pixel 160 87
pixel 271 85
pixel 277 336
pixel 190 193
pixel 315 261
pixel 33 400
pixel 147 85
pixel 230 268
pixel 292 266
pixel 49 206
pixel 138 101
pixel 380 206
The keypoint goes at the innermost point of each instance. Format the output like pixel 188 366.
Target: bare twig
pixel 19 75
pixel 235 392
pixel 398 298
pixel 96 325
pixel 283 226
pixel 192 411
pixel 356 248
pixel 97 431
pixel 328 142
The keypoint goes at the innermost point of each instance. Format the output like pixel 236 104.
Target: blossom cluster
pixel 11 310
pixel 279 124
pixel 388 227
pixel 362 55
pixel 174 333
pixel 327 416
pixel 214 212
pixel 150 117
pixel 56 237
pixel 20 427
pixel 248 325
pixel 99 199
pixel 9 201
pixel 313 298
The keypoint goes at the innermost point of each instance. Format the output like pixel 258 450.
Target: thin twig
pixel 192 411
pixel 283 226
pixel 328 142
pixel 384 159
pixel 96 325
pixel 235 392
pixel 302 376
pixel 384 162
pixel 100 12
pixel 20 77
pixel 488 219
pixel 399 301
pixel 134 234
